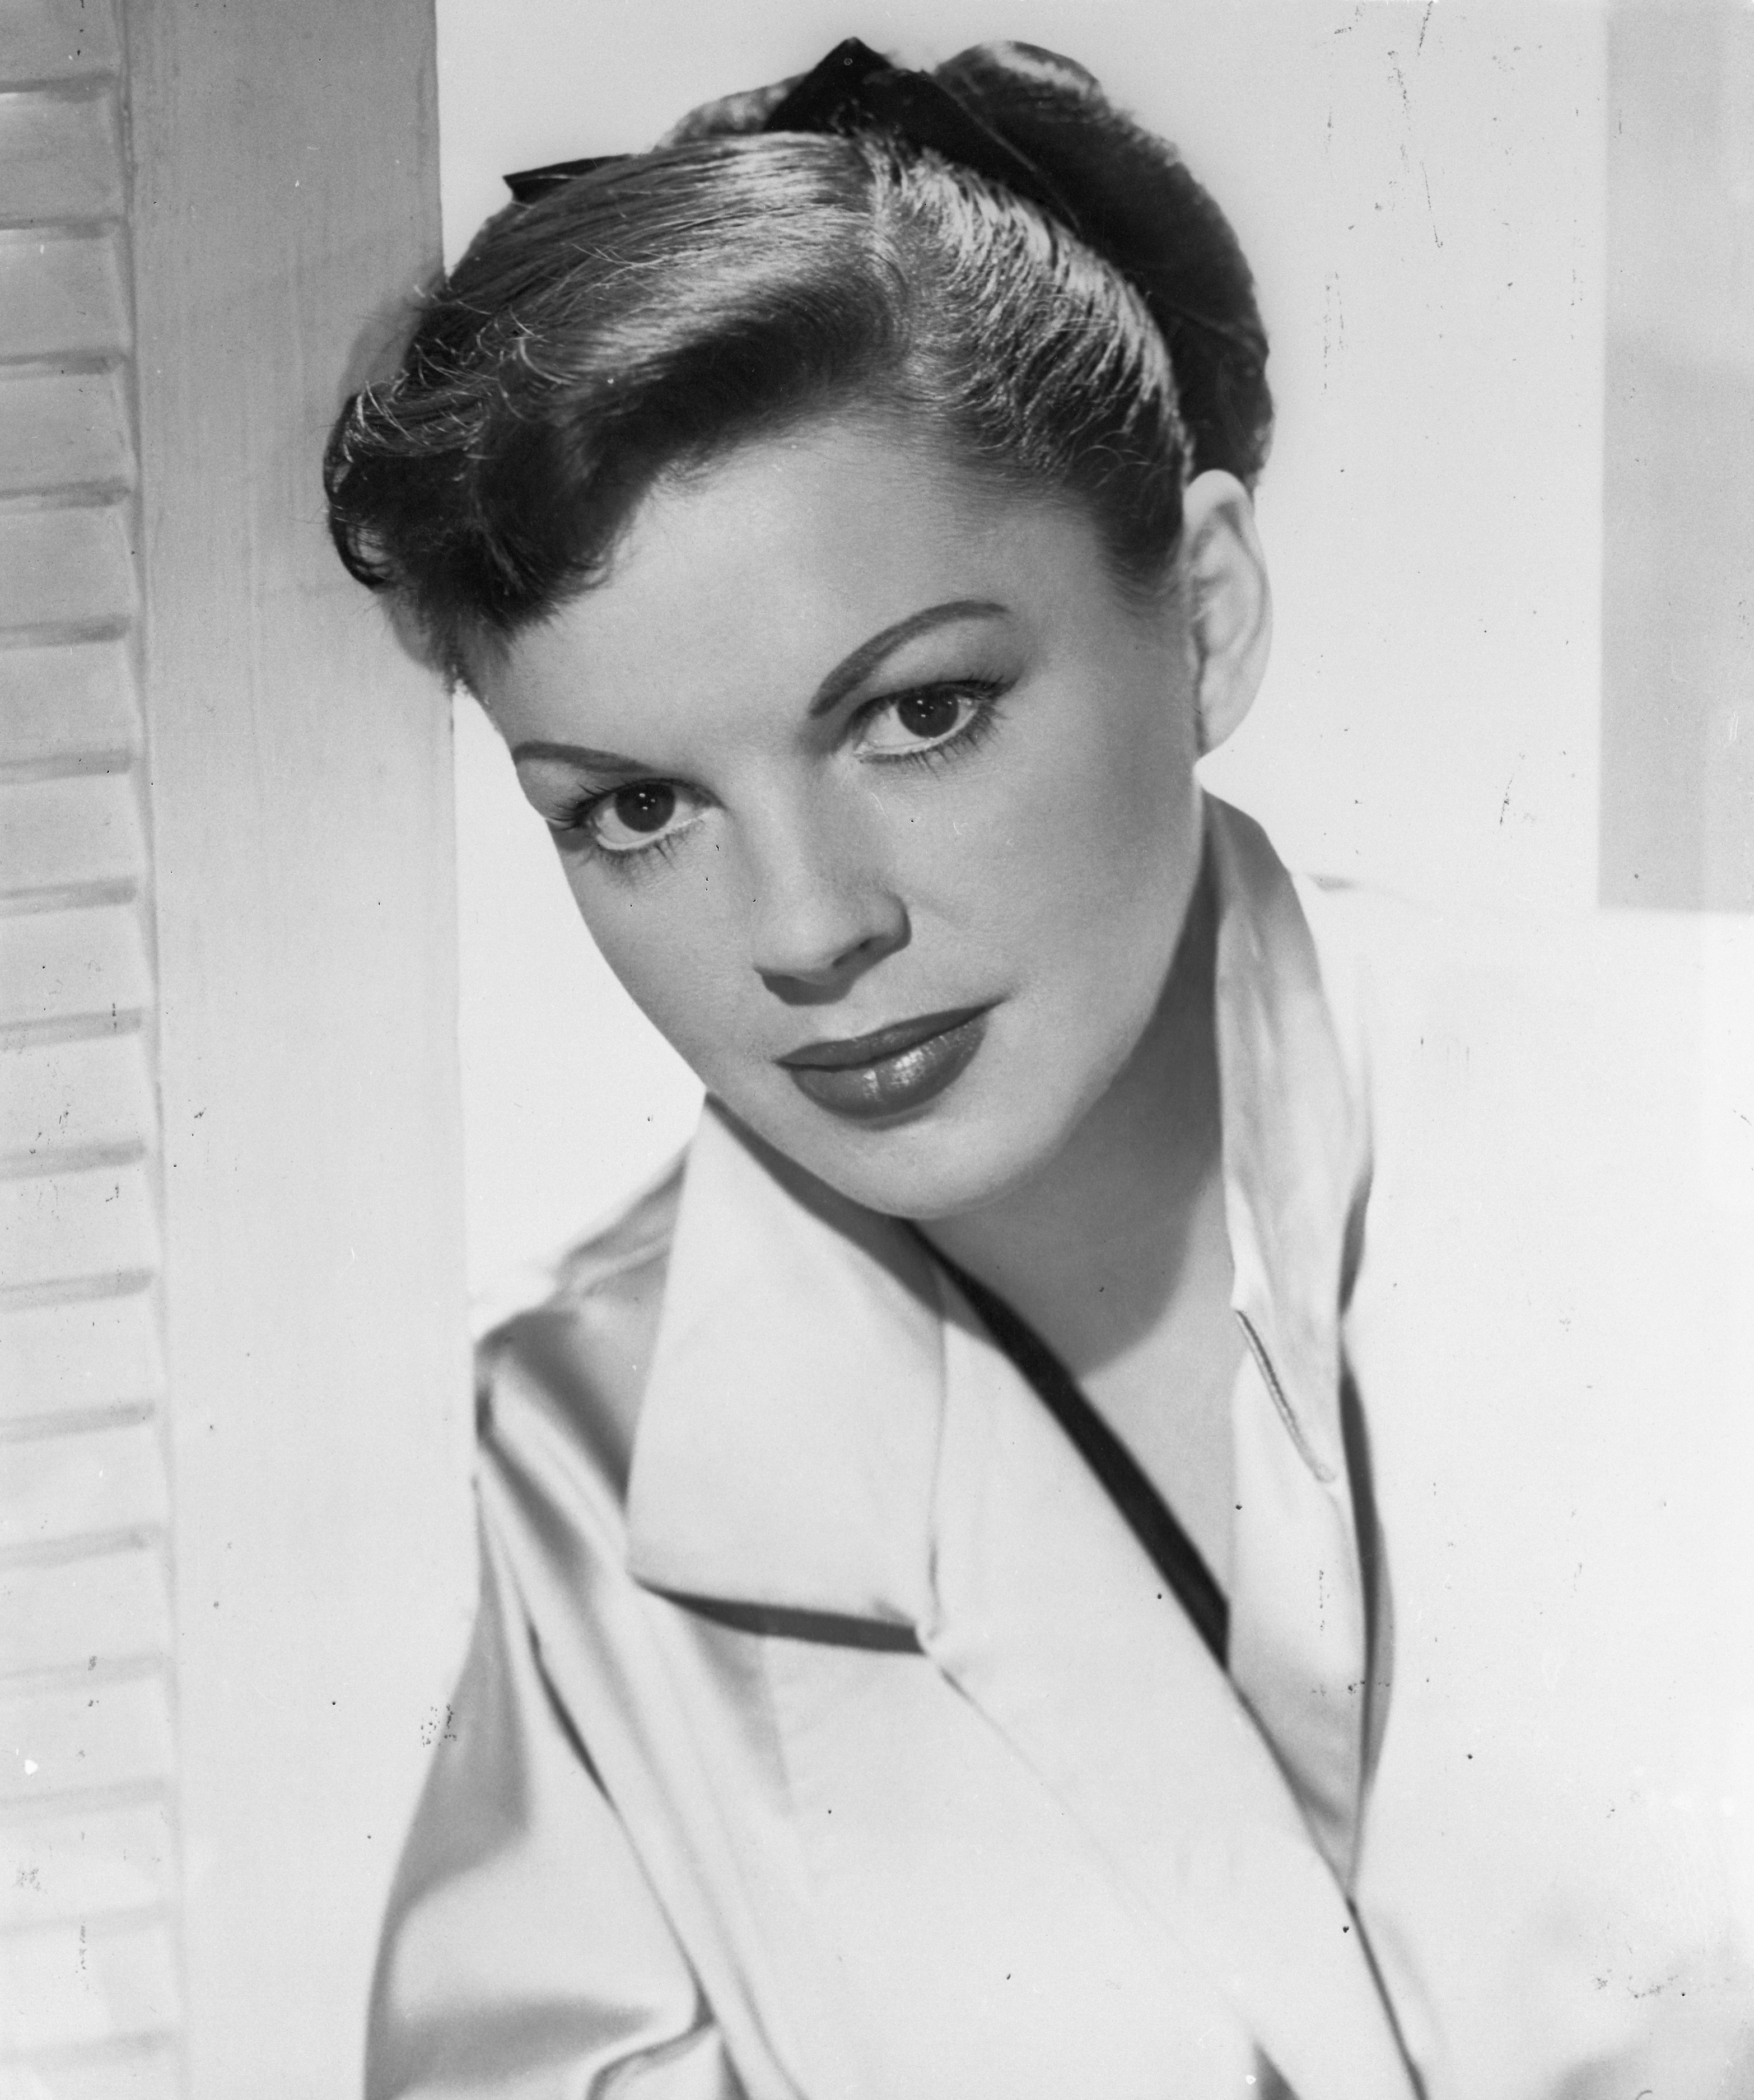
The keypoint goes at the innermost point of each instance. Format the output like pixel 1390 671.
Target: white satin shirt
pixel 826 1733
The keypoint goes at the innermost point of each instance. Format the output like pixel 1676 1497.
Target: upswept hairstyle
pixel 647 316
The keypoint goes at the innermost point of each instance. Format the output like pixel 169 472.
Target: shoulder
pixel 574 1357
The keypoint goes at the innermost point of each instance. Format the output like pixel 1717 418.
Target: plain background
pixel 1422 191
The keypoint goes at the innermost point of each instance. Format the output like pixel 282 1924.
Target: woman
pixel 935 1630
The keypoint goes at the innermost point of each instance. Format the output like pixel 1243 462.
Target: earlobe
pixel 1229 603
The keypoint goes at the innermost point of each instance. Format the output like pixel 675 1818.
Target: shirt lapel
pixel 1051 1619
pixel 788 1433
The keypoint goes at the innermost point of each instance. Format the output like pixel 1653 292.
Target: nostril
pixel 823 967
pixel 829 970
pixel 820 908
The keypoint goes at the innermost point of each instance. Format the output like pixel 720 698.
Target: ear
pixel 1229 604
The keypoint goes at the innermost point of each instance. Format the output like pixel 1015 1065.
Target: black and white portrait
pixel 878 1051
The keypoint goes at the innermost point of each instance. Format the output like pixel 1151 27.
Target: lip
pixel 892 1071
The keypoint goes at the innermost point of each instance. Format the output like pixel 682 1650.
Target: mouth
pixel 892 1071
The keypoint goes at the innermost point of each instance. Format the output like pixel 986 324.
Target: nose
pixel 822 908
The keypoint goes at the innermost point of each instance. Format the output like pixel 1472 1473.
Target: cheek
pixel 1083 846
pixel 669 943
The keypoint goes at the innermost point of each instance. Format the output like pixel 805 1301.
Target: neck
pixel 1093 1249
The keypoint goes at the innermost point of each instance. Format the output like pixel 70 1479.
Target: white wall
pixel 1420 191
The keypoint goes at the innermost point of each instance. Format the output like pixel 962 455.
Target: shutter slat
pixel 68 1985
pixel 57 834
pixel 66 567
pixel 142 2070
pixel 95 1354
pixel 69 698
pixel 56 40
pixel 64 430
pixel 71 1615
pixel 66 968
pixel 67 1228
pixel 82 1097
pixel 108 1734
pixel 96 1481
pixel 60 157
pixel 61 294
pixel 89 1864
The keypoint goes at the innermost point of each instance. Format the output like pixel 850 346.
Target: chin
pixel 938 1165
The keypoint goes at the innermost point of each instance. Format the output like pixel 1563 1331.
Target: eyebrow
pixel 850 673
pixel 580 755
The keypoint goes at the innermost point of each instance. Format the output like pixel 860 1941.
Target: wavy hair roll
pixel 651 314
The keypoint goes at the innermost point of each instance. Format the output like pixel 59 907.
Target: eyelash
pixel 966 740
pixel 630 865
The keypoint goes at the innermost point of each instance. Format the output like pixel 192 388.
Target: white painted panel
pixel 304 942
pixel 75 1614
pixel 72 1983
pixel 91 1353
pixel 74 1097
pixel 112 1732
pixel 85 1863
pixel 89 1480
pixel 86 966
pixel 98 1223
pixel 59 834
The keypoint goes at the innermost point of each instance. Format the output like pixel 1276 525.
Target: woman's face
pixel 848 748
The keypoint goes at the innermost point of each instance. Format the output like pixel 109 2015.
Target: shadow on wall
pixel 1677 762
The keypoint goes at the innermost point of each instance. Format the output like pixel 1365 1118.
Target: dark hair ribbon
pixel 530 184
pixel 855 89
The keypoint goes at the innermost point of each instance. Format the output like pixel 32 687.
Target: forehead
pixel 764 569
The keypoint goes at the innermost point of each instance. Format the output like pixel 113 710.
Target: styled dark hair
pixel 649 314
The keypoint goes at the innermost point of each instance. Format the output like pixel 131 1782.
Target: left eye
pixel 918 721
pixel 642 814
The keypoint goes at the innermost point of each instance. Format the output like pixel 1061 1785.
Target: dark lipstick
pixel 891 1071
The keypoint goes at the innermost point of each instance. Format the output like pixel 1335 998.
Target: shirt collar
pixel 787 1440
pixel 1295 1146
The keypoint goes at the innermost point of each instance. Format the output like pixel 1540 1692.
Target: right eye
pixel 643 814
